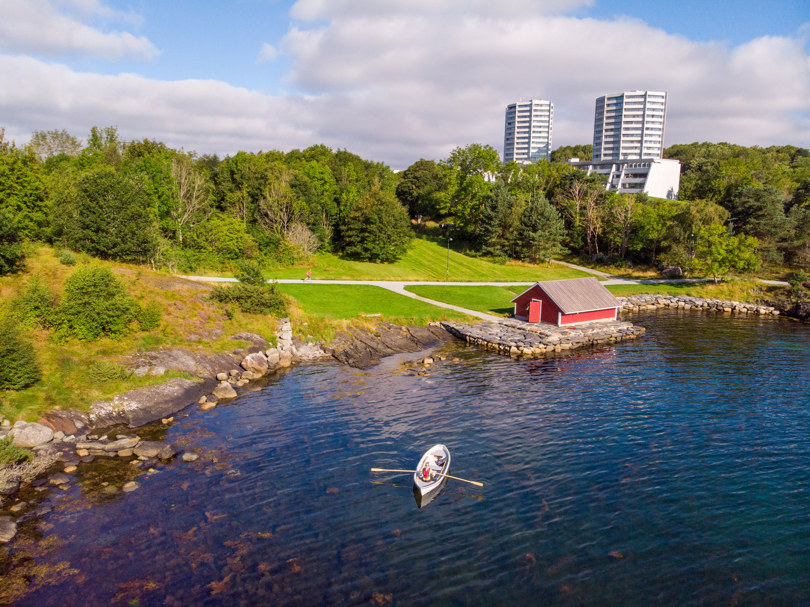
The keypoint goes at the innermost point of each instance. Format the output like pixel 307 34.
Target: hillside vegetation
pixel 75 372
pixel 427 260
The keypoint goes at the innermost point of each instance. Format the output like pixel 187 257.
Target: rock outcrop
pixel 800 310
pixel 29 435
pixel 145 405
pixel 8 529
pixel 363 348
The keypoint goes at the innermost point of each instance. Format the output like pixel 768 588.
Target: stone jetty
pixel 517 338
pixel 635 303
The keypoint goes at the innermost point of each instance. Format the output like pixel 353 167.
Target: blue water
pixel 669 470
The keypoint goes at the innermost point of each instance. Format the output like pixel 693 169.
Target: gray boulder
pixel 9 484
pixel 150 448
pixel 272 357
pixel 224 390
pixel 8 529
pixel 255 363
pixel 69 421
pixel 31 435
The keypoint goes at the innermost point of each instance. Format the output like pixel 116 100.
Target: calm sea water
pixel 670 470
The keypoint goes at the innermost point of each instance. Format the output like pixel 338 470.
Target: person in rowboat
pixel 427 474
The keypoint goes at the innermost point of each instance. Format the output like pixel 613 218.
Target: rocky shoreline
pixel 70 437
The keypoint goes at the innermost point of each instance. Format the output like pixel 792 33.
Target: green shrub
pixel 250 273
pixel 224 236
pixel 67 259
pixel 12 254
pixel 289 254
pixel 252 299
pixel 102 371
pixel 11 454
pixel 94 304
pixel 19 367
pixel 149 317
pixel 36 303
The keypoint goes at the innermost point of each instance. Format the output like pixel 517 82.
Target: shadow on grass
pixel 502 311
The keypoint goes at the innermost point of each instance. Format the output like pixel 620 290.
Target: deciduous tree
pixel 377 229
pixel 718 252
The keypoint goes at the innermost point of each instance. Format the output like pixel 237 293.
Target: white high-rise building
pixel 629 126
pixel 527 133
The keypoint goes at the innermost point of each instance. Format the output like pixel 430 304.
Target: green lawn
pixel 492 300
pixel 337 302
pixel 426 260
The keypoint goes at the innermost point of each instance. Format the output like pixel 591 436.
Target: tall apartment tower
pixel 527 133
pixel 629 126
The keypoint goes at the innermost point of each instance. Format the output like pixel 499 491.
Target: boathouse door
pixel 535 305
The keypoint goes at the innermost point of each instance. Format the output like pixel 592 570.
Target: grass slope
pixel 492 300
pixel 319 310
pixel 428 261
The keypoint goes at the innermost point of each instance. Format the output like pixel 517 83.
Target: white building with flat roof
pixel 527 131
pixel 656 177
pixel 629 125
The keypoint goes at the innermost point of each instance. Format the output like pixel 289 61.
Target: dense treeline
pixel 738 206
pixel 142 201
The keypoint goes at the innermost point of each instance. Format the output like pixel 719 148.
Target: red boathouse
pixel 566 302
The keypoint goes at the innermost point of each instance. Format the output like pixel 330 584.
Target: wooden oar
pixel 464 480
pixel 390 470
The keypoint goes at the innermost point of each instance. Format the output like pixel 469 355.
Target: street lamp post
pixel 447 270
pixel 192 247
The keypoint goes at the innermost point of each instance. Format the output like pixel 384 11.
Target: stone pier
pixel 517 338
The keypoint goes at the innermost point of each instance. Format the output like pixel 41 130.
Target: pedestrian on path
pixel 309 274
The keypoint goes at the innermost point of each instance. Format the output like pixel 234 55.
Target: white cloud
pixel 268 52
pixel 197 115
pixel 318 10
pixel 431 80
pixel 395 84
pixel 58 28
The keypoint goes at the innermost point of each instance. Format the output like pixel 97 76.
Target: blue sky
pixel 396 80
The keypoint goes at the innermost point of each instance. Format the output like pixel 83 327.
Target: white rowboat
pixel 437 459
